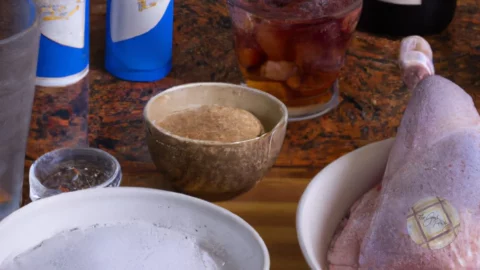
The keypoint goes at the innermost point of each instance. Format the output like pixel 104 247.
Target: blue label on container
pixel 64 44
pixel 63 23
pixel 135 18
pixel 139 39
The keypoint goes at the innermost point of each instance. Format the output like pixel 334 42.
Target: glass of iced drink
pixel 294 49
pixel 19 39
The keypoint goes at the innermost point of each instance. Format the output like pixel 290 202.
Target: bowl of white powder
pixel 128 228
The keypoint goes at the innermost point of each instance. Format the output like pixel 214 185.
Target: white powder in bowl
pixel 139 246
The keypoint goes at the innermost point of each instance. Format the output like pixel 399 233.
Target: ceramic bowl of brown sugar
pixel 214 141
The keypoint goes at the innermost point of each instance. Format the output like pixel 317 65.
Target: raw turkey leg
pixel 415 60
pixel 436 154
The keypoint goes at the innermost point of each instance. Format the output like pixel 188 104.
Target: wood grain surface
pixel 105 112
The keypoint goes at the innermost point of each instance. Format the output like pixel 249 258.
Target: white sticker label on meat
pixel 433 223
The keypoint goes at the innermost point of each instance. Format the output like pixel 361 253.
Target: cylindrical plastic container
pixel 19 37
pixel 139 39
pixel 64 43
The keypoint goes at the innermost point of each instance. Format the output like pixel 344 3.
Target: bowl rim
pixel 139 192
pixel 282 121
pixel 311 187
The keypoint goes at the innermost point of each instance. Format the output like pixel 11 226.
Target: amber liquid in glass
pixel 293 56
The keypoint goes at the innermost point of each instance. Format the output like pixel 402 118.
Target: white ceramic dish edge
pixel 19 231
pixel 330 195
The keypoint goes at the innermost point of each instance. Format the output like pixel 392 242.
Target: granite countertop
pixel 105 112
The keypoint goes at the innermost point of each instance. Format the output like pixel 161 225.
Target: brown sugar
pixel 213 123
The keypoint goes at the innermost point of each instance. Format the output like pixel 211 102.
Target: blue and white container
pixel 64 43
pixel 139 39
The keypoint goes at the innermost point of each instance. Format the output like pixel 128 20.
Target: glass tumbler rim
pixel 35 181
pixel 24 31
pixel 267 13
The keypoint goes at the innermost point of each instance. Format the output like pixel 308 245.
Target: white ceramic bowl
pixel 240 245
pixel 330 195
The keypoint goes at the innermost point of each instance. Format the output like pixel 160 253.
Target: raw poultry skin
pixel 436 153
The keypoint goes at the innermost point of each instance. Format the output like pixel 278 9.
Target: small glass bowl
pixel 71 169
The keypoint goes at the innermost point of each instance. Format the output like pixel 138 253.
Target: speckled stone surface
pixel 107 112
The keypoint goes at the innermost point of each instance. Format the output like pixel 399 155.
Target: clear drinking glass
pixel 294 49
pixel 19 39
pixel 72 169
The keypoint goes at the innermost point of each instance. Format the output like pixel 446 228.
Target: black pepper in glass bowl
pixel 72 169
